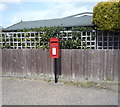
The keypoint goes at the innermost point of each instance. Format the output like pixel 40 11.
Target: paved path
pixel 38 92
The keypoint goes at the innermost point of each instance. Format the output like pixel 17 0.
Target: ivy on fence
pixel 76 38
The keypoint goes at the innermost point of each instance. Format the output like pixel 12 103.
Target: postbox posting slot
pixel 53 42
pixel 54 45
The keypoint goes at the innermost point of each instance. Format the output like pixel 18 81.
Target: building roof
pixel 82 19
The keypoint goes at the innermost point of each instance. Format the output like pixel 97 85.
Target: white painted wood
pixel 33 41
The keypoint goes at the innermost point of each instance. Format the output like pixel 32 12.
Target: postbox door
pixel 54 52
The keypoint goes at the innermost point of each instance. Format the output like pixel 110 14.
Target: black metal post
pixel 55 69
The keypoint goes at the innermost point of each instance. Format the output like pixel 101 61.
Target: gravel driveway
pixel 17 91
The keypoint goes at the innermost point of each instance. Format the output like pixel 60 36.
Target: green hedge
pixel 106 16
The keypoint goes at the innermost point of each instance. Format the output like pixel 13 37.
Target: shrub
pixel 106 16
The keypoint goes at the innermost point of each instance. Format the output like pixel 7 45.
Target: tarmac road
pixel 39 92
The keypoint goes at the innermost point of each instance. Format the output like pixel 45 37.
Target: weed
pixel 109 79
pixel 91 84
pixel 48 80
pixel 85 85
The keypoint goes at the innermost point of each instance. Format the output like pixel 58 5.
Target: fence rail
pixel 76 63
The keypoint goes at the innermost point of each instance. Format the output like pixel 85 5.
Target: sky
pixel 13 11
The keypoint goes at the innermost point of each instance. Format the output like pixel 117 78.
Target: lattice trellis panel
pixel 21 40
pixel 86 40
pixel 108 40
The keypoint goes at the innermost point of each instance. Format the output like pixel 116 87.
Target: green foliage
pixel 7 46
pixel 23 44
pixel 106 16
pixel 83 29
pixel 71 41
pixel 18 39
pixel 28 39
pixel 49 32
pixel 27 35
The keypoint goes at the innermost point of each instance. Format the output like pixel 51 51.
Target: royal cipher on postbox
pixel 54 48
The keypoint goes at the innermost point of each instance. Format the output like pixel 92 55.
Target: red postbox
pixel 54 48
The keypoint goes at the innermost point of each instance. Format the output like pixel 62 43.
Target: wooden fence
pixel 76 63
pixel 0 62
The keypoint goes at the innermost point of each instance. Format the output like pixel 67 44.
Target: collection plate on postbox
pixel 54 48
